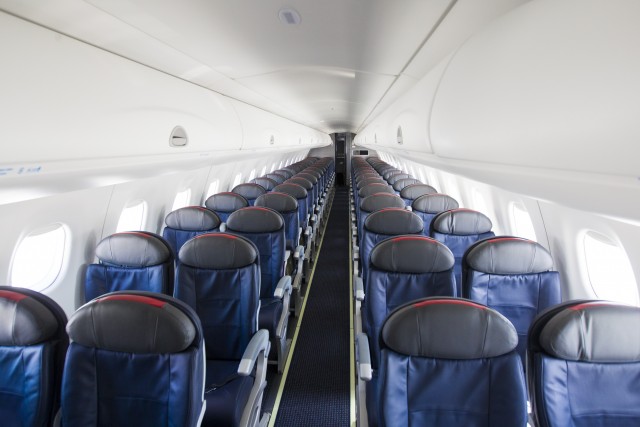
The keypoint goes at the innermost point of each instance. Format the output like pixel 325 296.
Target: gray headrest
pixel 311 170
pixel 266 183
pixel 226 202
pixel 132 249
pixel 219 251
pixel 308 176
pixel 405 182
pixel 291 189
pixel 462 222
pixel 378 201
pixel 594 332
pixel 414 191
pixel 280 202
pixel 394 221
pixel 282 172
pixel 375 188
pixel 304 183
pixel 192 218
pixel 424 328
pixel 397 177
pixel 278 177
pixel 433 203
pixel 24 320
pixel 509 255
pixel 255 220
pixel 248 190
pixel 389 172
pixel 131 324
pixel 412 254
pixel 366 182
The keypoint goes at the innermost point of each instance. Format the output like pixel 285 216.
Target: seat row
pixel 399 264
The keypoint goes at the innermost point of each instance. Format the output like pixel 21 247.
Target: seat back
pixel 219 277
pixel 429 205
pixel 300 194
pixel 388 171
pixel 403 269
pixel 265 228
pixel 33 343
pixel 383 224
pixel 185 223
pixel 513 276
pixel 413 191
pixel 459 229
pixel 283 173
pixel 278 176
pixel 249 191
pixel 134 359
pixel 266 183
pixel 374 203
pixel 226 203
pixel 130 261
pixel 313 179
pixel 397 177
pixel 450 362
pixel 308 186
pixel 404 182
pixel 287 206
pixel 583 363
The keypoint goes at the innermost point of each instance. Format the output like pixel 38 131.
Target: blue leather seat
pixel 387 172
pixel 266 229
pixel 135 358
pixel 266 183
pixel 33 343
pixel 583 365
pixel 513 276
pixel 249 191
pixel 374 203
pixel 448 362
pixel 403 269
pixel 397 177
pixel 287 206
pixel 226 203
pixel 279 176
pixel 188 222
pixel 399 184
pixel 219 277
pixel 300 194
pixel 413 191
pixel 459 229
pixel 130 261
pixel 429 205
pixel 369 190
pixel 308 186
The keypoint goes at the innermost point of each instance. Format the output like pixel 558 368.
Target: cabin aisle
pixel 317 388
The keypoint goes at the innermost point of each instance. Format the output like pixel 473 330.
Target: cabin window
pixel 263 170
pixel 521 223
pixel 38 259
pixel 451 189
pixel 608 269
pixel 280 164
pixel 480 204
pixel 133 217
pixel 273 167
pixel 213 188
pixel 252 174
pixel 236 181
pixel 182 199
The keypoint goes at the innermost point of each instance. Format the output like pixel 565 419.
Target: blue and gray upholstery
pixel 300 194
pixel 513 276
pixel 429 205
pixel 413 191
pixel 226 203
pixel 249 191
pixel 313 179
pixel 450 362
pixel 583 363
pixel 383 224
pixel 459 229
pixel 308 186
pixel 266 229
pixel 267 183
pixel 278 176
pixel 388 171
pixel 374 203
pixel 135 358
pixel 33 344
pixel 219 277
pixel 397 177
pixel 404 182
pixel 283 173
pixel 188 222
pixel 130 261
pixel 403 269
pixel 287 206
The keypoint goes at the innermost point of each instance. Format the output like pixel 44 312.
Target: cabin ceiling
pixel 334 71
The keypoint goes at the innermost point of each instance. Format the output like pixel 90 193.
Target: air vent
pixel 289 16
pixel 272 140
pixel 400 135
pixel 178 137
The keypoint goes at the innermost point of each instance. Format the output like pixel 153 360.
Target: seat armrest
pixel 364 357
pixel 358 287
pixel 283 287
pixel 223 227
pixel 287 255
pixel 259 344
pixel 299 252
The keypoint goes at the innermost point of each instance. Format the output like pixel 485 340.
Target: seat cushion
pixel 226 402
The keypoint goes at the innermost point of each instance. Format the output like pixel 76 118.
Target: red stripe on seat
pixel 449 301
pixel 13 296
pixel 135 298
